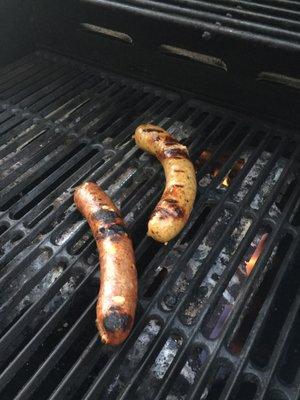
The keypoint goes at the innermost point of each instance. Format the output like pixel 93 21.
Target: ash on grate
pixel 267 186
pixel 154 377
pixel 131 217
pixel 26 274
pixel 203 291
pixel 39 290
pixel 68 233
pixel 196 261
pixel 214 324
pixel 265 189
pixel 133 358
pixel 122 180
pixel 187 376
pixel 178 129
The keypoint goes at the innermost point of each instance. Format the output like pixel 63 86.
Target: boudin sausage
pixel 174 208
pixel 118 278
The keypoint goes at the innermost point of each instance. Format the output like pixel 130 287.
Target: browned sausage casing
pixel 118 278
pixel 174 208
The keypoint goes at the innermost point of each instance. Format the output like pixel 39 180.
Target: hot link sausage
pixel 118 278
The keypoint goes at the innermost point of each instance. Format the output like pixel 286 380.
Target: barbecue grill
pixel 218 313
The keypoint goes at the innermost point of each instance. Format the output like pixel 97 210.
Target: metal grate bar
pixel 17 81
pixel 242 10
pixel 251 6
pixel 234 24
pixel 87 360
pixel 237 18
pixel 26 88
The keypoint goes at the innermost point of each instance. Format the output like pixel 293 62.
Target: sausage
pixel 176 204
pixel 118 277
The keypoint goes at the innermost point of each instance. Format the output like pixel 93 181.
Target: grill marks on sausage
pixel 107 216
pixel 173 211
pixel 114 232
pixel 153 130
pixel 172 201
pixel 175 152
pixel 112 225
pixel 169 140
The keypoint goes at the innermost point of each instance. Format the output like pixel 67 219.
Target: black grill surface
pixel 205 328
pixel 259 20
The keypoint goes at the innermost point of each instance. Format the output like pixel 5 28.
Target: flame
pixel 257 252
pixel 215 172
pixel 206 156
pixel 226 181
pixel 232 173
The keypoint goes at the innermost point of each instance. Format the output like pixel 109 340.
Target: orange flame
pixel 257 252
pixel 232 173
pixel 206 155
pixel 226 181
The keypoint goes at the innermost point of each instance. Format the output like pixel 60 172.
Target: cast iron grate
pixel 267 21
pixel 207 327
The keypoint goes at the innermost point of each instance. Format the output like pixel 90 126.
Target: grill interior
pixel 240 53
pixel 205 328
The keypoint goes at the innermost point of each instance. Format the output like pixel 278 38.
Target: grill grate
pixel 263 21
pixel 205 329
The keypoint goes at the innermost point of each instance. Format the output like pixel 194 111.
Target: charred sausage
pixel 174 208
pixel 118 278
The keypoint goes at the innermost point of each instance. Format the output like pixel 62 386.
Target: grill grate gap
pixel 276 395
pixel 152 381
pixel 276 258
pixel 186 377
pixel 132 360
pixel 215 321
pixel 247 390
pixel 295 219
pixel 290 364
pixel 217 383
pixel 264 344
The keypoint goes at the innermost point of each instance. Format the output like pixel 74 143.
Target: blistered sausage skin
pixel 118 278
pixel 175 206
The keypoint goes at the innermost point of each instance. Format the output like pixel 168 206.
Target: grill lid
pixel 218 311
